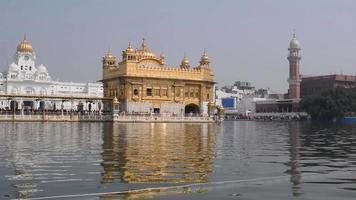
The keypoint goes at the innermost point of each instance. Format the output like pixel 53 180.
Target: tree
pixel 330 104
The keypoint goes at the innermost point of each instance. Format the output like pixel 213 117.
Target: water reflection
pixel 46 159
pixel 155 153
pixel 294 137
pixel 321 154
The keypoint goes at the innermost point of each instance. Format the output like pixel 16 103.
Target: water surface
pixel 232 160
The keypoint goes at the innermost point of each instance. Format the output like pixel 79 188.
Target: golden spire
pixel 129 48
pixel 109 55
pixel 185 62
pixel 204 60
pixel 144 45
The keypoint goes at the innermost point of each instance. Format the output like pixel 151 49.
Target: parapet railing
pixel 102 117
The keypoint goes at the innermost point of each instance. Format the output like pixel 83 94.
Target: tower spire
pixel 143 43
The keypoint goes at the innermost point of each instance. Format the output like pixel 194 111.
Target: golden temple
pixel 143 83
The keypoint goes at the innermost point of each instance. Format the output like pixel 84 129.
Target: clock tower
pixel 294 65
pixel 25 56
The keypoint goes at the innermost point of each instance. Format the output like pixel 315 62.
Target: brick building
pixel 312 84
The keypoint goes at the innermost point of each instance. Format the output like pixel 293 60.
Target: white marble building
pixel 25 85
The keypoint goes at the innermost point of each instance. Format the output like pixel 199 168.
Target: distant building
pixel 312 84
pixel 274 105
pixel 240 98
pixel 242 85
pixel 280 102
pixel 29 85
pixel 294 65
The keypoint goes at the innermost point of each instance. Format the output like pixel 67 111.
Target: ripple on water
pixel 84 157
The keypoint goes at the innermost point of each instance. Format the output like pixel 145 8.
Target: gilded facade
pixel 143 83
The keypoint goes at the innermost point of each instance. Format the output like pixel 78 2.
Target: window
pixel 186 94
pixel 149 92
pixel 164 92
pixel 135 92
pixel 177 92
pixel 21 67
pixel 30 68
pixel 156 92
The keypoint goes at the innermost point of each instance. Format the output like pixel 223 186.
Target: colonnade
pixel 48 104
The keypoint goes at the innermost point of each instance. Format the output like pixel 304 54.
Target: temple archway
pixel 13 105
pixel 191 108
pixel 28 105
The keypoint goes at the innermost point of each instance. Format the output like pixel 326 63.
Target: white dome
pixel 294 43
pixel 42 69
pixel 13 67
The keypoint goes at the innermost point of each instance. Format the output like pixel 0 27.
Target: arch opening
pixel 191 109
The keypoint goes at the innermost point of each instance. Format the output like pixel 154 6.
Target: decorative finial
pixel 129 45
pixel 294 33
pixel 24 36
pixel 109 50
pixel 143 43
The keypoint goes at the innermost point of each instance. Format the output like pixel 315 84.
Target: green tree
pixel 330 104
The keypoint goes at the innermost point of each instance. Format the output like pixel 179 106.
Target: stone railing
pixel 161 118
pixel 103 118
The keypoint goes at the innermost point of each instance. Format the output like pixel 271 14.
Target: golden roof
pixel 204 60
pixel 205 57
pixel 184 63
pixel 25 46
pixel 109 55
pixel 130 49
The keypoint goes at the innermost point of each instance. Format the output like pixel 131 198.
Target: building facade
pixel 27 86
pixel 144 84
pixel 312 84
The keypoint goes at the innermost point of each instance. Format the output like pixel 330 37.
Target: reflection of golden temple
pixel 155 153
pixel 147 194
pixel 143 83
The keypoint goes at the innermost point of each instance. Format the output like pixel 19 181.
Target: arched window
pixel 135 92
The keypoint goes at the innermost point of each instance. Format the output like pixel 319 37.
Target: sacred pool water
pixel 232 160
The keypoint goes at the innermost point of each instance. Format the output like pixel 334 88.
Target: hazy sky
pixel 245 40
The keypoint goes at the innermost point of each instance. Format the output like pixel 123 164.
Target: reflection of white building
pixel 23 78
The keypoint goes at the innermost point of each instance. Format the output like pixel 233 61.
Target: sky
pixel 246 40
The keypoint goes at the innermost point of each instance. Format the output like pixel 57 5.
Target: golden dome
pixel 109 55
pixel 204 59
pixel 185 61
pixel 130 49
pixel 25 46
